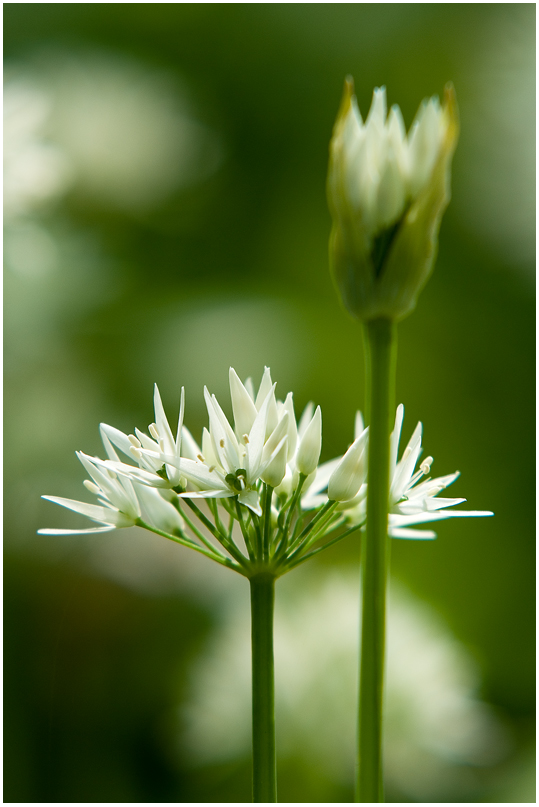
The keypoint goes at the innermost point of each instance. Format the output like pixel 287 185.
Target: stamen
pixel 425 465
pixel 246 439
pixel 92 487
pixel 135 452
pixel 222 442
pixel 201 458
pixel 152 428
pixel 135 442
pixel 211 468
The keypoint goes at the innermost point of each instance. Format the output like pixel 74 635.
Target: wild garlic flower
pixel 261 479
pixel 150 452
pixel 122 503
pixel 413 496
pixel 249 476
pixel 386 192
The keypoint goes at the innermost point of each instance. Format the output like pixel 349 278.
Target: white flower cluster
pixel 413 496
pixel 263 473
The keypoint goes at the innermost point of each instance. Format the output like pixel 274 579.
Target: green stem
pixel 264 766
pixel 311 554
pixel 381 360
pixel 267 523
pixel 221 537
pixel 192 545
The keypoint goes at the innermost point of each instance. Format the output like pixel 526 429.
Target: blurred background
pixel 165 218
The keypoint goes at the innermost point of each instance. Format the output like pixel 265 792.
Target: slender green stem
pixel 381 358
pixel 293 503
pixel 221 537
pixel 201 537
pixel 268 493
pixel 192 545
pixel 264 766
pixel 329 507
pixel 244 531
pixel 303 558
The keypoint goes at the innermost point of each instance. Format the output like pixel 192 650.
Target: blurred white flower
pixel 36 169
pixel 121 133
pixel 434 718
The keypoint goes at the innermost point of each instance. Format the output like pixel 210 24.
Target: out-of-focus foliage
pixel 166 218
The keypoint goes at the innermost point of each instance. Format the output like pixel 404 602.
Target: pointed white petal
pixel 349 475
pixel 165 432
pixel 310 445
pixel 257 437
pixel 75 532
pixel 191 449
pixel 359 425
pixel 292 427
pixel 243 407
pixel 180 422
pixel 103 514
pixel 414 535
pixel 305 419
pixel 395 437
pixel 250 499
pixel 323 473
pixel 118 438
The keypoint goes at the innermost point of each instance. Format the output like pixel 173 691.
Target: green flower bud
pixel 387 192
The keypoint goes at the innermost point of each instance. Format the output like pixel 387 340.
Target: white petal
pixel 242 406
pixel 180 422
pixel 391 192
pixel 75 532
pixel 201 475
pixel 265 386
pixel 310 445
pixel 116 437
pixel 292 427
pixel 103 514
pixel 191 449
pixel 305 419
pixel 257 436
pixel 349 475
pixel 359 425
pixel 415 535
pixel 395 437
pixel 275 470
pixel 165 432
pixel 323 473
pixel 250 499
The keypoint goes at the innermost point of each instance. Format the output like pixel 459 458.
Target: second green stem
pixel 380 336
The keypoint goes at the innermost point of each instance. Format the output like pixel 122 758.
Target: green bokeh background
pixel 232 269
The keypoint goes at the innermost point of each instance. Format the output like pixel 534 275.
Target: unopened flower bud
pixel 310 445
pixel 350 473
pixel 387 192
pixel 274 473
